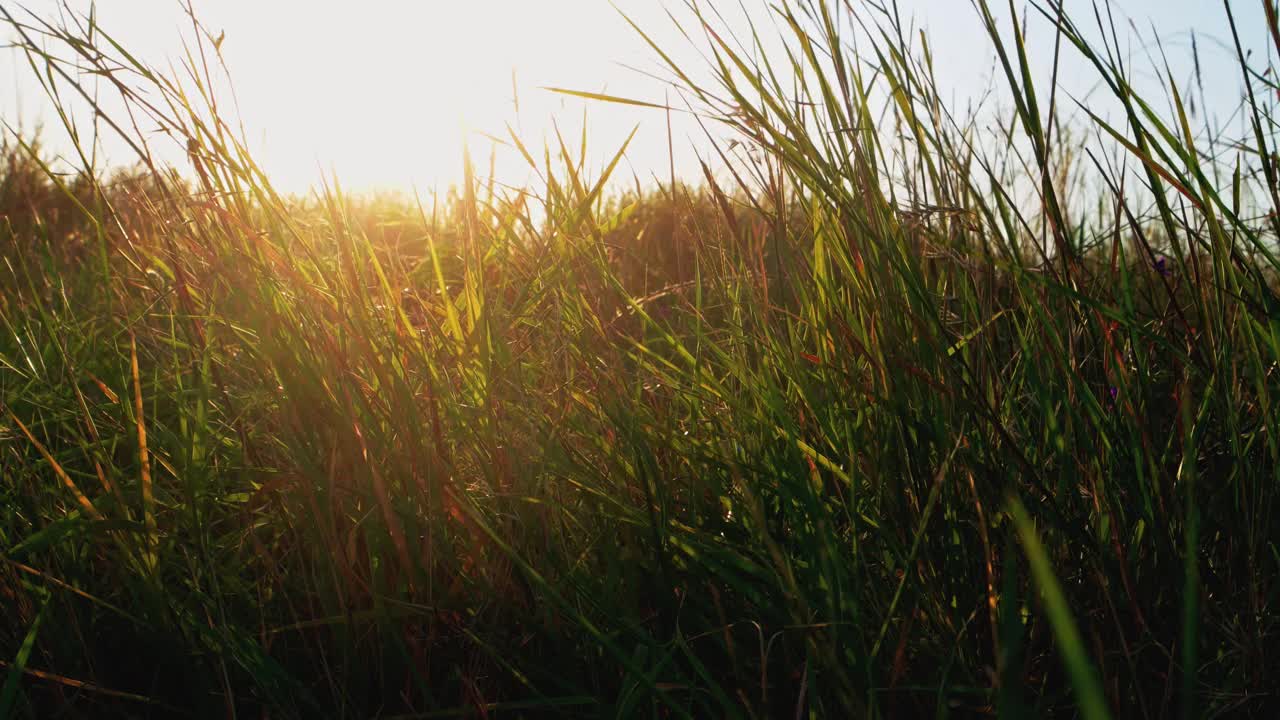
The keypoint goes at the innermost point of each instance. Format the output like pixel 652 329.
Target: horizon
pixel 356 114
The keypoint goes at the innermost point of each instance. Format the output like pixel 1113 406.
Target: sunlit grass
pixel 855 429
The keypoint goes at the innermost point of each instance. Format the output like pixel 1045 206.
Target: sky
pixel 385 93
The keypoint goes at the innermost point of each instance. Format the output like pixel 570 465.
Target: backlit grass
pixel 885 419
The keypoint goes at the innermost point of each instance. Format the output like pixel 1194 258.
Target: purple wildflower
pixel 1161 265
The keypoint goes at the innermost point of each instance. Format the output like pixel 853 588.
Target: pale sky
pixel 384 92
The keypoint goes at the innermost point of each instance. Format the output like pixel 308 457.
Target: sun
pixel 385 95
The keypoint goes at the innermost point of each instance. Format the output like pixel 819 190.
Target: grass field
pixel 882 422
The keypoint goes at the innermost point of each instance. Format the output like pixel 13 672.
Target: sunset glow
pixel 386 93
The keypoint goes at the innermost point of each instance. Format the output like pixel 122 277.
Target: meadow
pixel 881 419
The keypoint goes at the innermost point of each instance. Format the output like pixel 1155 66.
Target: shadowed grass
pixel 887 419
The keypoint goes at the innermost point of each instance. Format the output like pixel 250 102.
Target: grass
pixel 888 420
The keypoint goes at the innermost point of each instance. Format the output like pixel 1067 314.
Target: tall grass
pixel 868 425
